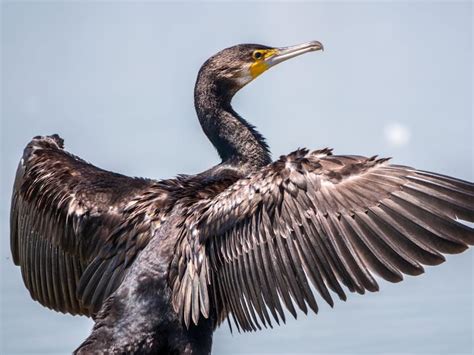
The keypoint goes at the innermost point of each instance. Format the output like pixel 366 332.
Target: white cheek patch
pixel 243 77
pixel 244 80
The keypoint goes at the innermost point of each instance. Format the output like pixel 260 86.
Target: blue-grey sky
pixel 115 80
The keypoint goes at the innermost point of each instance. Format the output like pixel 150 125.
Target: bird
pixel 160 264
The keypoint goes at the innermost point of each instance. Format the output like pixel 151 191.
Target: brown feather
pixel 330 219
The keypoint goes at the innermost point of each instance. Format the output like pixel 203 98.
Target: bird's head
pixel 234 67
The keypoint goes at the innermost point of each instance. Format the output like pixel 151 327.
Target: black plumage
pixel 159 264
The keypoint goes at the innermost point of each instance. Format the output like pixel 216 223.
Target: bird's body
pixel 160 264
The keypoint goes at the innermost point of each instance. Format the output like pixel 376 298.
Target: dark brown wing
pixel 315 219
pixel 74 228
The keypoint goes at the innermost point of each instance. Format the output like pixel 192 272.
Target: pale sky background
pixel 115 80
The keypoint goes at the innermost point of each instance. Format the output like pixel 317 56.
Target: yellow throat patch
pixel 259 65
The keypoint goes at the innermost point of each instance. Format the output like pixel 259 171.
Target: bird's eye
pixel 257 55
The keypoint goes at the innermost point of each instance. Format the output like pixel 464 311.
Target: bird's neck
pixel 236 141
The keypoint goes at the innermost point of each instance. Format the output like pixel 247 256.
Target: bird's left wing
pixel 314 219
pixel 75 228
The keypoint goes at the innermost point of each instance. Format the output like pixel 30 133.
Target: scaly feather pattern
pixel 75 228
pixel 312 219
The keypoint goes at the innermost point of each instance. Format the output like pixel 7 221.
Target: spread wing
pixel 74 228
pixel 313 219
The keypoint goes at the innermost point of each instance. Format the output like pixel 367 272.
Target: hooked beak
pixel 285 53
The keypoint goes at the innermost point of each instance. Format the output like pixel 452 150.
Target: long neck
pixel 236 141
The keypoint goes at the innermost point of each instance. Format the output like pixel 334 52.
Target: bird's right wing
pixel 75 228
pixel 314 218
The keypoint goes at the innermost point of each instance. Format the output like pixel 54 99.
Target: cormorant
pixel 159 264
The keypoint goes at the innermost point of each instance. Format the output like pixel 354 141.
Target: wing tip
pixel 53 141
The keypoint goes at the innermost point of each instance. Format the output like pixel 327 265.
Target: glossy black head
pixel 234 67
